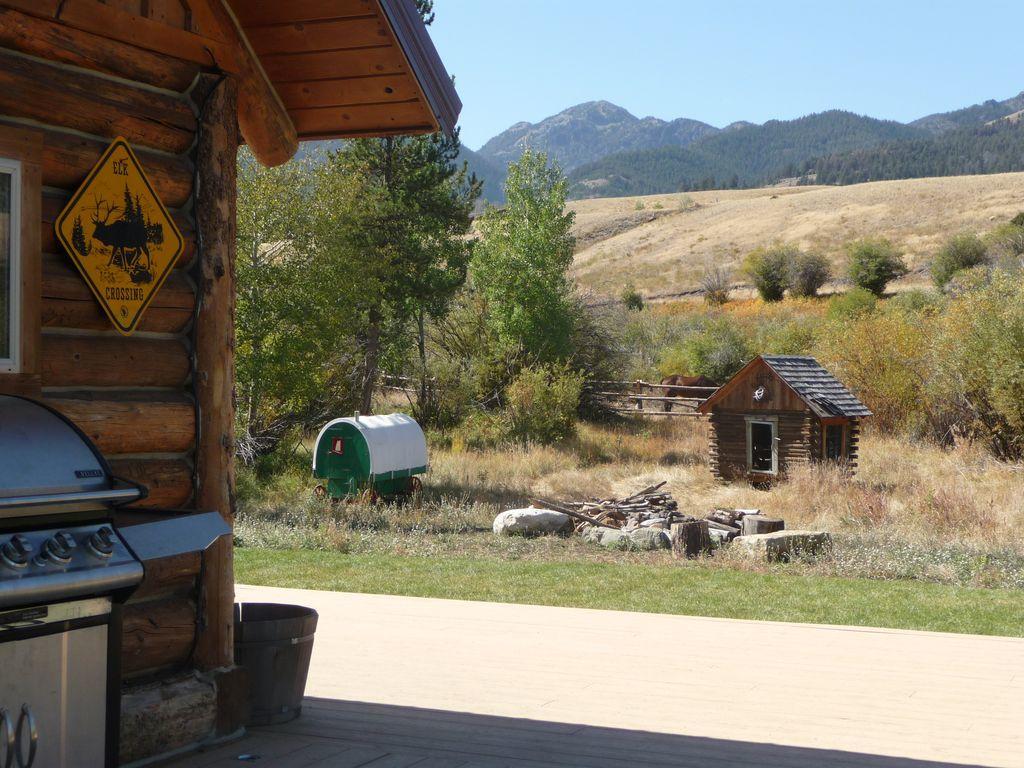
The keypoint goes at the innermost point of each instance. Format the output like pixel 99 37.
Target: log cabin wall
pixel 728 441
pixel 69 83
pixel 797 425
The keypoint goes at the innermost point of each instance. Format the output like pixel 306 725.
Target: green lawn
pixel 690 589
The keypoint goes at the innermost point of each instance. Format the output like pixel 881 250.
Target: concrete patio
pixel 401 682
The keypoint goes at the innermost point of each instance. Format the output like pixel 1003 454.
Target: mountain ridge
pixel 608 151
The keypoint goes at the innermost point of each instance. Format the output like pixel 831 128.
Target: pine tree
pixel 78 237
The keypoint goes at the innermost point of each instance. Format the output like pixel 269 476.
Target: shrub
pixel 1018 220
pixel 852 304
pixel 883 357
pixel 808 272
pixel 962 251
pixel 639 205
pixel 715 283
pixel 717 351
pixel 632 299
pixel 874 263
pixel 1006 244
pixel 979 364
pixel 482 429
pixel 768 270
pixel 542 404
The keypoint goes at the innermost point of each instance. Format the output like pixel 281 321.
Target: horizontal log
pixel 53 205
pixel 67 301
pixel 169 480
pixel 64 98
pixel 167 577
pixel 54 41
pixel 129 26
pixel 112 361
pixel 125 423
pixel 68 159
pixel 157 634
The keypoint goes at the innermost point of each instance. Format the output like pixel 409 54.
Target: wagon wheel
pixel 369 496
pixel 415 486
pixel 320 492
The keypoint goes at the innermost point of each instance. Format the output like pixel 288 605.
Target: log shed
pixel 184 83
pixel 780 411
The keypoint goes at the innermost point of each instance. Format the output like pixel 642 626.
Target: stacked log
pixel 650 507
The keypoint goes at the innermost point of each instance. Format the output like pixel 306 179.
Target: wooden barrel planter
pixel 274 644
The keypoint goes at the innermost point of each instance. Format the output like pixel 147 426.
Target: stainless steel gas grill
pixel 64 571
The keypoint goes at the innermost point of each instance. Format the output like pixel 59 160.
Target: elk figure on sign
pixel 128 236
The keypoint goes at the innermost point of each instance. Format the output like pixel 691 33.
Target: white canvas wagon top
pixel 395 442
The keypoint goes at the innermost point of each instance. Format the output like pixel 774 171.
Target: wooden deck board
pixel 416 683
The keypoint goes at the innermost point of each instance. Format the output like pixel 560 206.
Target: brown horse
pixel 681 387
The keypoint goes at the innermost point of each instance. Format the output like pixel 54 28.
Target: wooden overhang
pixel 346 69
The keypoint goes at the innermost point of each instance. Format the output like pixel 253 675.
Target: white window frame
pixel 12 363
pixel 773 422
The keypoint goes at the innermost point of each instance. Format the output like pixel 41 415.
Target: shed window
pixel 10 265
pixel 834 448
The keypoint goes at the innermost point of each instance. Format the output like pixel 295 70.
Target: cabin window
pixel 762 445
pixel 10 265
pixel 834 447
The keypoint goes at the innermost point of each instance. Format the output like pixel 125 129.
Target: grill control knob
pixel 15 552
pixel 101 543
pixel 59 547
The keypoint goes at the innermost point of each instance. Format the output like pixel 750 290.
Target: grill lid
pixel 47 465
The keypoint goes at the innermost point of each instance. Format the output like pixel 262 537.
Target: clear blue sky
pixel 726 60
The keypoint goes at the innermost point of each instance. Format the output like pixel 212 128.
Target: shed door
pixel 834 442
pixel 762 444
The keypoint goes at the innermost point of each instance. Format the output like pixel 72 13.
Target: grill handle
pixel 113 495
pixel 8 732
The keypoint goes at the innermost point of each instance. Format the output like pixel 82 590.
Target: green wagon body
pixel 382 453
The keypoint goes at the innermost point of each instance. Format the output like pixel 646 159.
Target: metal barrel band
pixel 278 641
pixel 33 737
pixel 7 735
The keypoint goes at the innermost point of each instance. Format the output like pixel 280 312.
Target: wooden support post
pixel 690 539
pixel 754 524
pixel 214 273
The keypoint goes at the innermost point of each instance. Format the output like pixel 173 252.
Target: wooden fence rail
pixel 625 397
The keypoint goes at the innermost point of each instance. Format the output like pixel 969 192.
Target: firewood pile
pixel 650 507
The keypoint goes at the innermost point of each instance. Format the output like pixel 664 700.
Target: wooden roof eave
pixel 263 120
pixel 428 70
pixel 740 375
pixel 336 69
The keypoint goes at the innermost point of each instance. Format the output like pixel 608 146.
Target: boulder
pixel 649 538
pixel 613 538
pixel 784 545
pixel 529 521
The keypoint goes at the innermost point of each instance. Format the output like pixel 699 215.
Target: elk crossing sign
pixel 120 236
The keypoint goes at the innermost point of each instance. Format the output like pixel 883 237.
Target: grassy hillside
pixel 662 243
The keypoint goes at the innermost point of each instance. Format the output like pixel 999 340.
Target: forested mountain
pixel 609 152
pixel 590 131
pixel 993 148
pixel 492 174
pixel 970 117
pixel 744 156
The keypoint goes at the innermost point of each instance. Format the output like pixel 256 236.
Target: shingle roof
pixel 822 391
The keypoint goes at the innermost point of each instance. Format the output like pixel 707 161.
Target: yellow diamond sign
pixel 120 236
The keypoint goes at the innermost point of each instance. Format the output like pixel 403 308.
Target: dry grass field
pixel 913 511
pixel 662 243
